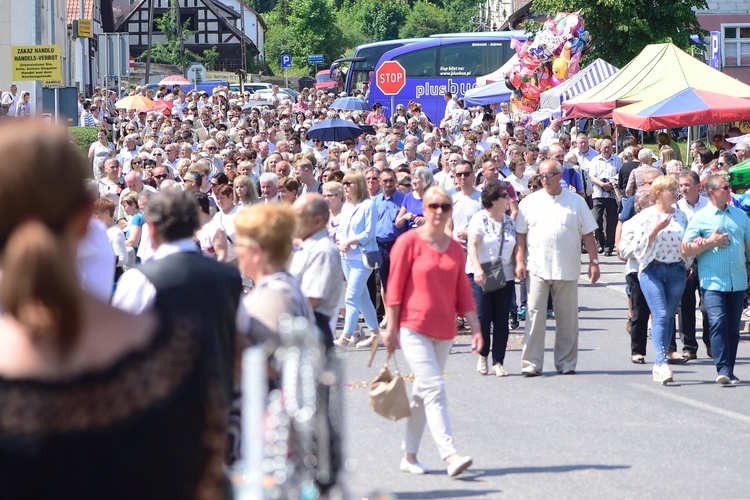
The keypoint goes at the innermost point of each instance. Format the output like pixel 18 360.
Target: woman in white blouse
pixel 492 237
pixel 661 267
pixel 518 179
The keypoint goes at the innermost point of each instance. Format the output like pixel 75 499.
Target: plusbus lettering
pixel 437 89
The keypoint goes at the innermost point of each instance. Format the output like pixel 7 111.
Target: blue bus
pixel 445 63
pixel 362 63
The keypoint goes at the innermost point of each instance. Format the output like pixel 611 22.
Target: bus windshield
pixel 366 57
pixel 445 63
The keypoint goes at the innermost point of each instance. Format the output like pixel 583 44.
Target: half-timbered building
pixel 216 23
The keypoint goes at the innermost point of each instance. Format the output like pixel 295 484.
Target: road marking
pixel 696 404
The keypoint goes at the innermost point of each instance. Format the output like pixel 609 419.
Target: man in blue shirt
pixel 719 235
pixel 388 203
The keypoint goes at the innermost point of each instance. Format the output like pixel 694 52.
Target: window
pixel 736 44
pixel 419 63
pixel 471 58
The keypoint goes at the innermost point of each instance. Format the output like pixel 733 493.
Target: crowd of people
pixel 217 218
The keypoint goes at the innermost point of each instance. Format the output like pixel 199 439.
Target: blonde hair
pixel 663 183
pixel 39 286
pixel 358 183
pixel 272 226
pixel 252 193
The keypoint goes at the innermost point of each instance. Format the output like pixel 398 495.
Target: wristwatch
pixel 595 261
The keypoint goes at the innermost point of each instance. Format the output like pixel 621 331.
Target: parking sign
pixel 286 60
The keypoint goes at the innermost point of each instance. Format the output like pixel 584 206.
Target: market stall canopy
pixel 590 76
pixel 487 95
pixel 657 72
pixel 682 109
pixel 499 74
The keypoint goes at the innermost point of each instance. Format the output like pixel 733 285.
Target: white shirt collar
pixel 172 247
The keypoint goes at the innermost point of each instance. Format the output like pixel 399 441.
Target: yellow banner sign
pixel 36 62
pixel 84 28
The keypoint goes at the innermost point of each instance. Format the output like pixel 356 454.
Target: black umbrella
pixel 334 130
pixel 368 129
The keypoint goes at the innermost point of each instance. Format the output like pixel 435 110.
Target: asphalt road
pixel 607 432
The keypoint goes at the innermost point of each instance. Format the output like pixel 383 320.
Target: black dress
pixel 148 427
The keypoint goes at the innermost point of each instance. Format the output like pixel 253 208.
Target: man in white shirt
pixel 551 133
pixel 10 100
pixel 603 171
pixel 549 227
pixel 466 201
pixel 691 202
pixel 450 105
pixel 446 178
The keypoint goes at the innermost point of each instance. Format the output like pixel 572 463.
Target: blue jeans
pixel 492 309
pixel 724 310
pixel 662 286
pixel 357 297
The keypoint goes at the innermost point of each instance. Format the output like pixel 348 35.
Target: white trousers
pixel 426 357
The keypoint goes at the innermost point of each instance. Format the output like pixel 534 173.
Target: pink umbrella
pixel 158 106
pixel 175 80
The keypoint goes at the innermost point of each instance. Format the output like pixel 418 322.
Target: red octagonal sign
pixel 390 78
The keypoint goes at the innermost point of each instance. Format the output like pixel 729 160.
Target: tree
pixel 169 53
pixel 301 28
pixel 620 29
pixel 383 18
pixel 425 19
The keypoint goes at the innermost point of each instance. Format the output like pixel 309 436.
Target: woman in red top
pixel 424 261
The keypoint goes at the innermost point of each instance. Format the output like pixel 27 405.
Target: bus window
pixel 420 62
pixel 471 58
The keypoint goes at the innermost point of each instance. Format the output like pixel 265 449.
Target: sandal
pixel 499 370
pixel 638 360
pixel 482 365
pixel 345 340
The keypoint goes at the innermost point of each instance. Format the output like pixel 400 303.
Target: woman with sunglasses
pixel 661 268
pixel 423 322
pixel 492 238
pixel 355 236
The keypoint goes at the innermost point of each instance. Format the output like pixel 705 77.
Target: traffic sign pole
pixel 390 79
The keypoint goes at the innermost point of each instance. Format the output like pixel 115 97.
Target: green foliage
pixel 169 53
pixel 210 58
pixel 382 19
pixel 425 19
pixel 460 13
pixel 620 29
pixel 302 28
pixel 83 137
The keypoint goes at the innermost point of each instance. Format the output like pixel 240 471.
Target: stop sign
pixel 390 78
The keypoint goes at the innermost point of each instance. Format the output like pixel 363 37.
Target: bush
pixel 83 137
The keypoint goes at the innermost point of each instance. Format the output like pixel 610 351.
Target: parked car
pixel 323 81
pixel 284 93
pixel 252 87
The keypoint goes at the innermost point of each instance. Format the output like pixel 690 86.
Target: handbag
pixel 493 271
pixel 372 260
pixel 388 393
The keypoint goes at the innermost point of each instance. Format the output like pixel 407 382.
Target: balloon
pixel 574 65
pixel 544 45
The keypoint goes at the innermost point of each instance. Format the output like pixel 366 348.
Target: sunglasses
pixel 136 163
pixel 463 174
pixel 724 188
pixel 534 187
pixel 346 183
pixel 160 176
pixel 158 154
pixel 445 207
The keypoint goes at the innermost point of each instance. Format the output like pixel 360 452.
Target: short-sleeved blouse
pixel 666 246
pixel 490 233
pixel 413 205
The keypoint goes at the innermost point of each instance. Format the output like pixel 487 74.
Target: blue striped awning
pixel 586 78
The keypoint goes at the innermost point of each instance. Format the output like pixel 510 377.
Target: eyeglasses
pixel 136 163
pixel 724 188
pixel 463 174
pixel 160 176
pixel 549 175
pixel 445 207
pixel 345 184
pixel 534 187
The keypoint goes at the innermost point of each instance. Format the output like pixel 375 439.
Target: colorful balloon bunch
pixel 551 57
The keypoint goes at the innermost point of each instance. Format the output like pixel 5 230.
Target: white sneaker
pixel 662 374
pixel 723 380
pixel 746 312
pixel 458 466
pixel 416 469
